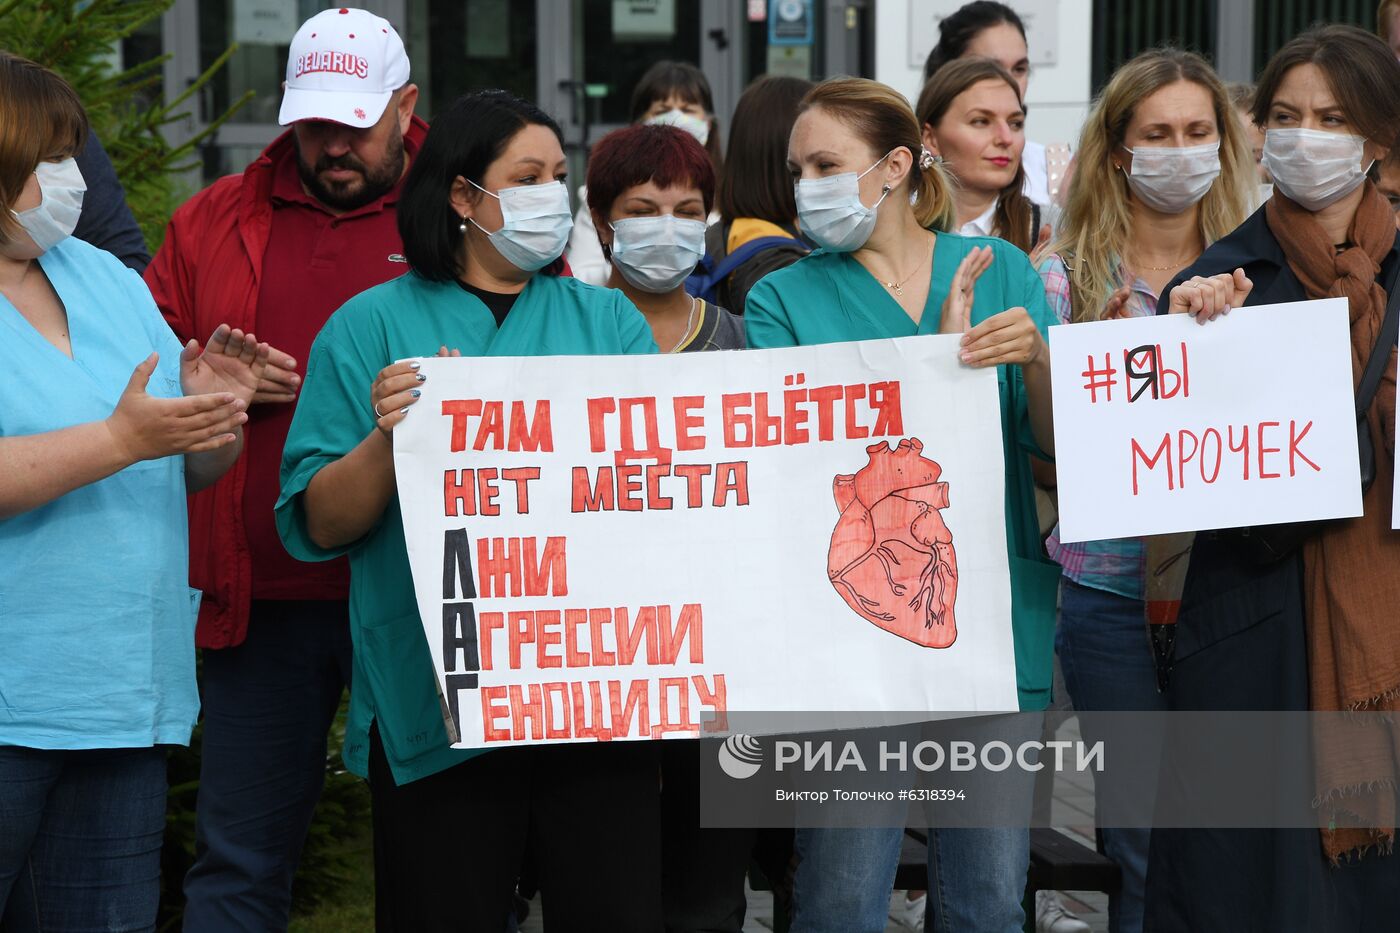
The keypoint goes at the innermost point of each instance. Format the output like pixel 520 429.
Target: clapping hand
pixel 148 427
pixel 232 362
pixel 280 380
pixel 957 307
pixel 1117 307
pixel 1008 337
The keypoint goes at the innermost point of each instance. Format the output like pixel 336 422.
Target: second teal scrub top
pixel 829 297
pixel 393 682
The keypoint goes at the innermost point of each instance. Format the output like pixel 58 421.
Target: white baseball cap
pixel 344 65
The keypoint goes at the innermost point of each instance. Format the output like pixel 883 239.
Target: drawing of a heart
pixel 891 556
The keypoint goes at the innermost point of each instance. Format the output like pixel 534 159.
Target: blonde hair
pixel 41 119
pixel 1097 221
pixel 883 119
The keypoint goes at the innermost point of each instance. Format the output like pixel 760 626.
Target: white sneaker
pixel 1051 916
pixel 909 914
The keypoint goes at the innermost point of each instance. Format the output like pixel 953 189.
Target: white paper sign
pixel 1166 425
pixel 629 547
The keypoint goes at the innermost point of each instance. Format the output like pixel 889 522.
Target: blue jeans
pixel 268 704
pixel 976 880
pixel 80 838
pixel 1106 658
pixel 976 875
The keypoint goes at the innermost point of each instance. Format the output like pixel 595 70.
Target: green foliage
pixel 77 38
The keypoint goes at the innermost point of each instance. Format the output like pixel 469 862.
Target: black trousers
pixel 703 870
pixel 448 848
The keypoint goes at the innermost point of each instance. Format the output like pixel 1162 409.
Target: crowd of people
pixel 199 456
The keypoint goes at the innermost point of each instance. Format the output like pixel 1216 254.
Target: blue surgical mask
pixel 62 187
pixel 535 224
pixel 655 254
pixel 830 211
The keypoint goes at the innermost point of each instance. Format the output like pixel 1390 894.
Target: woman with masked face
pixel 484 217
pixel 650 189
pixel 668 94
pixel 1302 617
pixel 880 208
pixel 1164 170
pixel 106 423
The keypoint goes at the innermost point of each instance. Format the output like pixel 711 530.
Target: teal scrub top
pixel 96 614
pixel 394 683
pixel 829 297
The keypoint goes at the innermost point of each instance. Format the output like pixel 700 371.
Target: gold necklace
pixel 1176 264
pixel 898 287
pixel 689 323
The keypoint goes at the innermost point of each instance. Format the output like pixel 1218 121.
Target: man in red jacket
pixel 278 249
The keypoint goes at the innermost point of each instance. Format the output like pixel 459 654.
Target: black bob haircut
pixel 462 140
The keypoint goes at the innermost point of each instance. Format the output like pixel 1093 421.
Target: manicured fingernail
pixel 404 410
pixel 1227 310
pixel 422 377
pixel 414 365
pixel 415 393
pixel 964 355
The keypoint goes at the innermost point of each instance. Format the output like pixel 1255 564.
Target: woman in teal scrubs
pixel 484 217
pixel 106 422
pixel 879 207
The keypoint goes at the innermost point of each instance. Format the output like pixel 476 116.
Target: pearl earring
pixel 463 227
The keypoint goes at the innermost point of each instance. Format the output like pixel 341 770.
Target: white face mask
pixel 62 187
pixel 1314 168
pixel 698 127
pixel 830 211
pixel 655 254
pixel 535 224
pixel 1170 179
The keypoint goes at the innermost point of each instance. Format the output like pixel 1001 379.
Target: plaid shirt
pixel 1118 565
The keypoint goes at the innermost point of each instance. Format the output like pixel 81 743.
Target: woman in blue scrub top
pixel 106 422
pixel 484 217
pixel 880 207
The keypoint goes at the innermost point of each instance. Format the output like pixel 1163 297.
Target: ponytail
pixel 932 193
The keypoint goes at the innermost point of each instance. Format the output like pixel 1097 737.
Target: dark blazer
pixel 1225 594
pixel 1241 645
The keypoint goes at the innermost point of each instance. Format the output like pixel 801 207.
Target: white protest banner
pixel 628 547
pixel 1165 425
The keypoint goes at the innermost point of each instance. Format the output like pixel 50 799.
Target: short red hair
pixel 635 155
